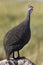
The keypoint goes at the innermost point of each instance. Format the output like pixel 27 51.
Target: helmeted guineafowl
pixel 16 38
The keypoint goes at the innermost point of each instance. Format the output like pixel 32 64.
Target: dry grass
pixel 11 14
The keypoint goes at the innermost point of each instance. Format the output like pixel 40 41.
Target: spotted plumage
pixel 16 38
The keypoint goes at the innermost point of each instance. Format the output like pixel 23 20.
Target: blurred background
pixel 13 12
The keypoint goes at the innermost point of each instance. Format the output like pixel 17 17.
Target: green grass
pixel 11 14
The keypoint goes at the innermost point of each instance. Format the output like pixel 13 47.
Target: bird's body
pixel 16 38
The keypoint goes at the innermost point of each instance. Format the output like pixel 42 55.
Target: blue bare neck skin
pixel 28 17
pixel 29 11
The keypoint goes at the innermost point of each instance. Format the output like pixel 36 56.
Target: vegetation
pixel 11 14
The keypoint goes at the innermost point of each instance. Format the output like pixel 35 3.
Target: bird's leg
pixel 8 57
pixel 18 55
pixel 13 54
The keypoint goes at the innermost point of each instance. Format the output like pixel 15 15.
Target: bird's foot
pixel 19 58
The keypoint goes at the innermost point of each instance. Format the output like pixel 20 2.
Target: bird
pixel 17 37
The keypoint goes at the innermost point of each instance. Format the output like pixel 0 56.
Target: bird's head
pixel 30 9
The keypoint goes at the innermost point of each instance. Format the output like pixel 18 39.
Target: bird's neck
pixel 28 15
pixel 28 19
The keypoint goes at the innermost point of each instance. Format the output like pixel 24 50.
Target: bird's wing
pixel 16 34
